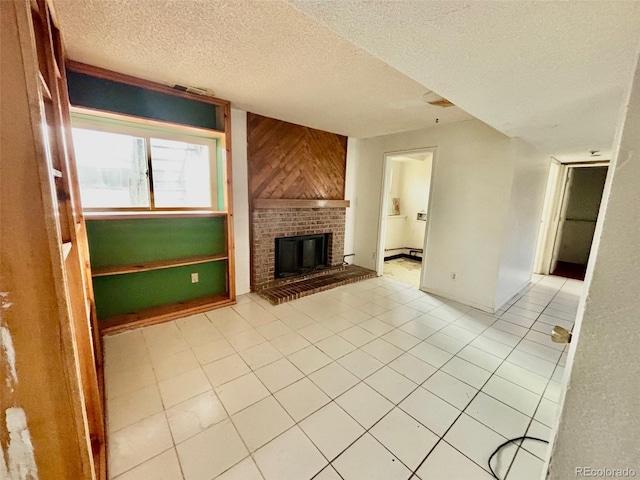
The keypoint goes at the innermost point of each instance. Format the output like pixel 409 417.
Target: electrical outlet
pixel 453 275
pixel 373 255
pixel 194 277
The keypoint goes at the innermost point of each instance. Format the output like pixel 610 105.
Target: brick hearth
pixel 271 223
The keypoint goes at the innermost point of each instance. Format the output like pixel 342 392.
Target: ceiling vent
pixel 436 100
pixel 207 92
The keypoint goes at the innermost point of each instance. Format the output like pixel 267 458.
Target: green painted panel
pixel 127 241
pixel 102 94
pixel 128 293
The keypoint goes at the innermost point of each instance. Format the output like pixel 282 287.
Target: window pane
pixel 112 169
pixel 181 174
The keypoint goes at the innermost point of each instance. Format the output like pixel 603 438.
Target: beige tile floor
pixel 374 380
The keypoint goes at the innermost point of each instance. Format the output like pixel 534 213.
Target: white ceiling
pixel 264 56
pixel 552 73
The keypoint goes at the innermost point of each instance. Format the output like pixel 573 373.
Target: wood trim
pixel 48 349
pixel 79 67
pixel 228 197
pixel 144 267
pixel 206 133
pixel 116 215
pixel 260 203
pixel 152 316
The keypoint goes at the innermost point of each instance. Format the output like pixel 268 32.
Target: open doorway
pixel 405 214
pixel 577 221
pixel 572 203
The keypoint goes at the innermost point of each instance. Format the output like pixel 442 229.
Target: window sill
pixel 112 215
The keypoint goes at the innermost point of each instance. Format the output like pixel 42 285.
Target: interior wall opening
pixel 404 215
pixel 567 231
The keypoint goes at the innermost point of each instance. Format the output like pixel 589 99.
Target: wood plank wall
pixel 288 161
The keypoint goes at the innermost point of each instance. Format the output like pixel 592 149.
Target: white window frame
pixel 144 128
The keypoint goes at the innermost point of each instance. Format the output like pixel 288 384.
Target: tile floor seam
pixel 403 302
pixel 164 411
pixel 463 411
pixel 506 477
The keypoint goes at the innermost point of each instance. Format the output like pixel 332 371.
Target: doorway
pixel 577 219
pixel 405 215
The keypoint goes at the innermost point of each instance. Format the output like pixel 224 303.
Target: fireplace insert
pixel 301 254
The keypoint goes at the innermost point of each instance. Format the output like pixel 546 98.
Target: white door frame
pixel 384 201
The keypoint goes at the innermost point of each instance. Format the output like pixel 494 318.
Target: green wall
pixel 111 96
pixel 116 242
pixel 126 241
pixel 128 293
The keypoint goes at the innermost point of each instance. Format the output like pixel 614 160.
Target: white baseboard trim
pixel 514 293
pixel 464 301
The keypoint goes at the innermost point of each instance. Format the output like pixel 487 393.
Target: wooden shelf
pixel 114 215
pixel 151 316
pixel 143 267
pixel 298 203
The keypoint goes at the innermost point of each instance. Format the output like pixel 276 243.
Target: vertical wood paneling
pixel 288 161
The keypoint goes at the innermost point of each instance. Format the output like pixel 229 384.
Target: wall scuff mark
pixel 17 459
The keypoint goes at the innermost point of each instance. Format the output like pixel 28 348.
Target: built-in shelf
pixel 150 316
pixel 298 203
pixel 113 215
pixel 143 267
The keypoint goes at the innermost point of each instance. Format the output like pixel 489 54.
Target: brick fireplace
pixel 271 223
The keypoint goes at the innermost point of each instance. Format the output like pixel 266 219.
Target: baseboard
pixel 464 301
pixel 515 292
pixel 404 255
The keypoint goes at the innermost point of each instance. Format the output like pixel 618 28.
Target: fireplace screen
pixel 301 254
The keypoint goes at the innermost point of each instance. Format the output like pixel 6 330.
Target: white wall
pixel 523 221
pixel 600 421
pixel 350 191
pixel 414 198
pixel 474 168
pixel 394 238
pixel 240 199
pixel 410 183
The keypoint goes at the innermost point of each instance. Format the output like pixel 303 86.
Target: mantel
pixel 298 203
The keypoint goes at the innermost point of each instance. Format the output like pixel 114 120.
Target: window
pixel 145 165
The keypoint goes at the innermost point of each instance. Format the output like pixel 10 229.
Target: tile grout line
pixel 469 403
pixel 395 327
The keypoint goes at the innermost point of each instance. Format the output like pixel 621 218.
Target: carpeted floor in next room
pixel 372 380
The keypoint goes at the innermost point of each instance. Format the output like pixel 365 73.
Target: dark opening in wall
pixel 301 254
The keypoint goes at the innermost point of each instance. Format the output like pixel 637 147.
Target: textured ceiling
pixel 554 73
pixel 264 56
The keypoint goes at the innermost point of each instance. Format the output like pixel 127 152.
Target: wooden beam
pixel 260 203
pixel 79 67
